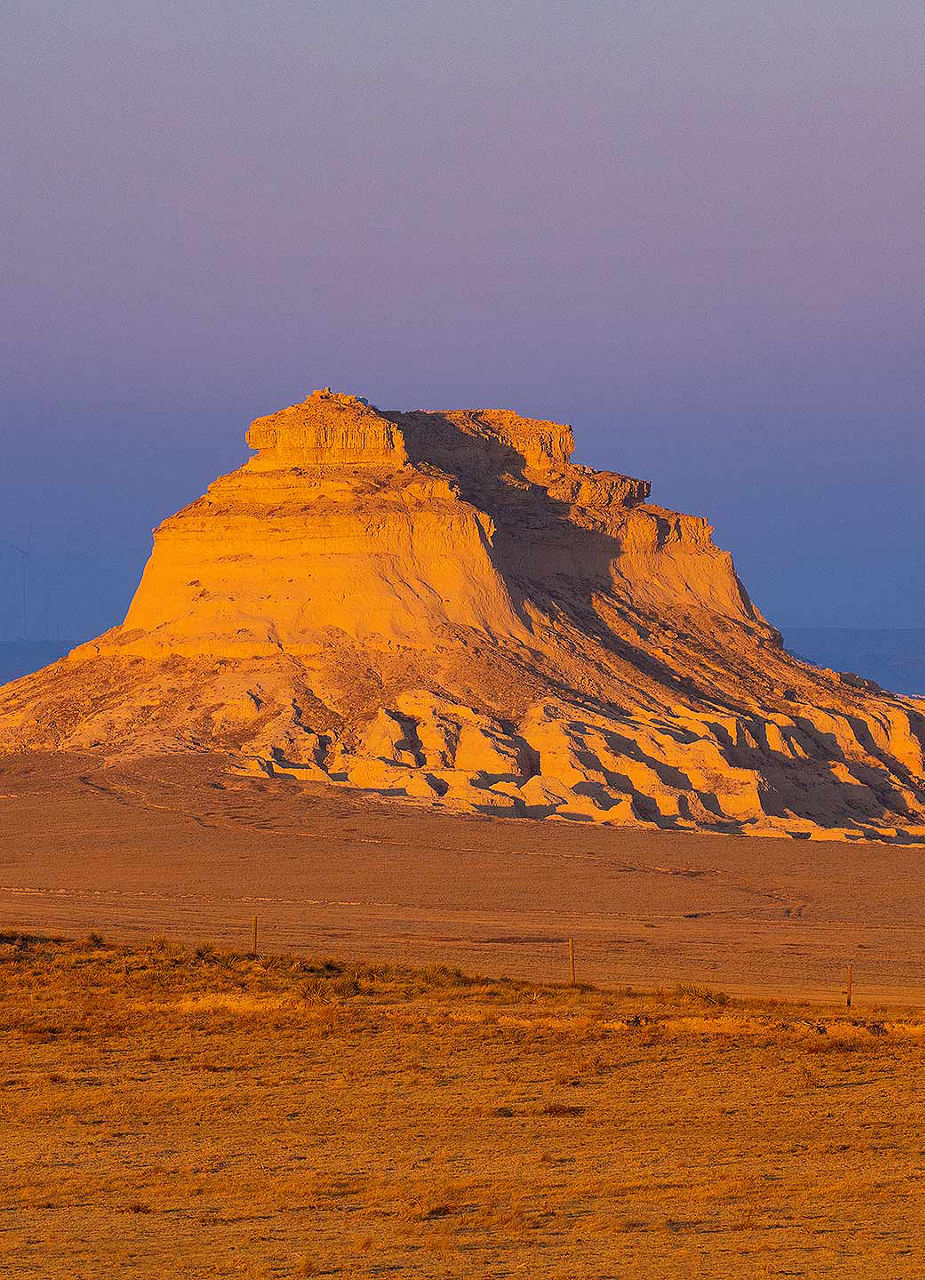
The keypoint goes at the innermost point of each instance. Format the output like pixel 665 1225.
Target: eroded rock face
pixel 326 430
pixel 442 606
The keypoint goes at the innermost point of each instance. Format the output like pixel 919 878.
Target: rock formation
pixel 441 605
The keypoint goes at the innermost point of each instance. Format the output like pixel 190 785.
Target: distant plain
pixel 179 846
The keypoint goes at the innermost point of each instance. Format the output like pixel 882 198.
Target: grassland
pixel 171 1112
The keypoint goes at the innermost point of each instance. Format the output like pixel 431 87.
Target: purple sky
pixel 691 229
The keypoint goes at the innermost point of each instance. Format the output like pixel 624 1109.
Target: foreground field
pixel 172 1112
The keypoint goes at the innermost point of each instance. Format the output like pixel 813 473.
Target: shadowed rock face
pixel 441 605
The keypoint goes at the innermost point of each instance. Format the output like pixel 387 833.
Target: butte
pixel 442 607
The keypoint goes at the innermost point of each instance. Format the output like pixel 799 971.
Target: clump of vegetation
pixel 702 995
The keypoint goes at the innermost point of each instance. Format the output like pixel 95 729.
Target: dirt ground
pixel 167 1112
pixel 178 847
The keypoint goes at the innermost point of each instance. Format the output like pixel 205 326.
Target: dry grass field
pixel 182 1112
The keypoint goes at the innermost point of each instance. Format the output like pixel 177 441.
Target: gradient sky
pixel 693 229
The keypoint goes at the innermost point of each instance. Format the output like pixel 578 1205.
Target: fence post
pixel 571 959
pixel 254 938
pixel 848 991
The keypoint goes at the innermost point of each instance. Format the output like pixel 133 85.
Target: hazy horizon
pixel 893 657
pixel 692 231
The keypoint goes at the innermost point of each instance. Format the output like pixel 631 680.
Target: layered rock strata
pixel 442 606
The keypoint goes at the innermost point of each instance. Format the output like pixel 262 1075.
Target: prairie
pixel 181 847
pixel 179 1111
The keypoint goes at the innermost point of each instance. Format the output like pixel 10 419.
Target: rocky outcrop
pixel 328 431
pixel 442 606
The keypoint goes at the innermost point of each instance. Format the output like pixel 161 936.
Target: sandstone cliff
pixel 441 605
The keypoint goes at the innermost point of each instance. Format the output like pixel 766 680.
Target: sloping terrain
pixel 442 606
pixel 20 657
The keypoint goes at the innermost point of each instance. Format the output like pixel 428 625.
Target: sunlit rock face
pixel 328 533
pixel 441 606
pixel 326 430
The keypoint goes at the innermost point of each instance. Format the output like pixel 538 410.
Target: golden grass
pixel 174 1113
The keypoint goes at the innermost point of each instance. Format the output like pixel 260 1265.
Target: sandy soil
pixel 175 847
